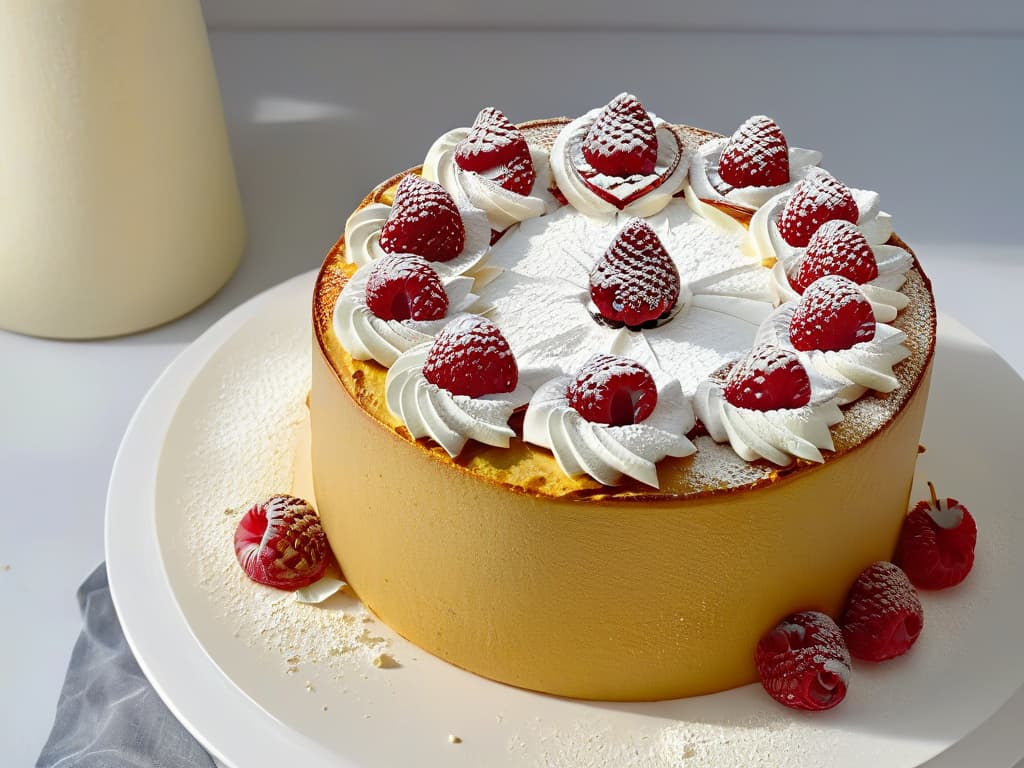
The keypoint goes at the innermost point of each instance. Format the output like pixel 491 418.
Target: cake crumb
pixel 309 686
pixel 6 566
pixel 385 661
pixel 453 739
pixel 325 707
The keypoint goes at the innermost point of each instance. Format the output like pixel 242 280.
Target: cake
pixel 597 401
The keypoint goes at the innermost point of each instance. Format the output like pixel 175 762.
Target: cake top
pixel 683 313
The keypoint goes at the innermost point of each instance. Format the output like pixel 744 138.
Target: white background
pixel 920 101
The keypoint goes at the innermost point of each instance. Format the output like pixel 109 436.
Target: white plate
pixel 244 706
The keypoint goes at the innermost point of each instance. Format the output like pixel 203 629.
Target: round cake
pixel 597 401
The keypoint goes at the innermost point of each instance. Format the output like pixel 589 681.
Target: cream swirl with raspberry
pixel 639 194
pixel 866 365
pixel 363 229
pixel 502 206
pixel 428 410
pixel 608 453
pixel 368 337
pixel 769 246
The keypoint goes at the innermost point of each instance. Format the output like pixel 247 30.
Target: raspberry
pixel 756 156
pixel 279 542
pixel 613 390
pixel 883 615
pixel 768 379
pixel 936 544
pixel 817 198
pixel 424 220
pixel 403 286
pixel 803 662
pixel 497 149
pixel 622 140
pixel 837 248
pixel 635 282
pixel 833 314
pixel 471 357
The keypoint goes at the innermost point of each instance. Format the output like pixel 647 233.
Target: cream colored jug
pixel 119 208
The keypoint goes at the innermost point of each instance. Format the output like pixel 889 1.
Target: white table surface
pixel 316 118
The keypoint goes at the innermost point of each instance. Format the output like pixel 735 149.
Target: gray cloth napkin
pixel 108 715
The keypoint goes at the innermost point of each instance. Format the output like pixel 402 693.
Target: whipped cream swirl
pixel 363 228
pixel 367 337
pixel 567 161
pixel 609 453
pixel 704 185
pixel 428 410
pixel 768 245
pixel 883 292
pixel 778 435
pixel 865 366
pixel 502 206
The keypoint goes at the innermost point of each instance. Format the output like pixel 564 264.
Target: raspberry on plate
pixel 832 315
pixel 837 248
pixel 817 198
pixel 403 286
pixel 635 282
pixel 883 615
pixel 495 148
pixel 614 390
pixel 280 542
pixel 756 155
pixel 769 378
pixel 803 662
pixel 936 544
pixel 471 357
pixel 622 140
pixel 424 220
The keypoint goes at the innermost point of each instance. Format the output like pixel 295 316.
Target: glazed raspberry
pixel 837 248
pixel 803 663
pixel 495 148
pixel 756 156
pixel 817 198
pixel 279 542
pixel 622 140
pixel 424 220
pixel 768 379
pixel 883 615
pixel 833 314
pixel 403 286
pixel 471 357
pixel 936 545
pixel 635 282
pixel 613 390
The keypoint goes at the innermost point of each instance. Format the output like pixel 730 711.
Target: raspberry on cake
pixel 598 545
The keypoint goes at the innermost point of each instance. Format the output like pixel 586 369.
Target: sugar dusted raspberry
pixel 833 314
pixel 403 286
pixel 497 149
pixel 615 390
pixel 471 357
pixel 936 544
pixel 280 542
pixel 803 662
pixel 837 248
pixel 768 379
pixel 817 198
pixel 635 282
pixel 622 140
pixel 424 220
pixel 756 155
pixel 883 615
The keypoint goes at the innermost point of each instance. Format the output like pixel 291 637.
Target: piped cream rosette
pixel 867 365
pixel 502 206
pixel 368 337
pixel 428 410
pixel 363 228
pixel 567 162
